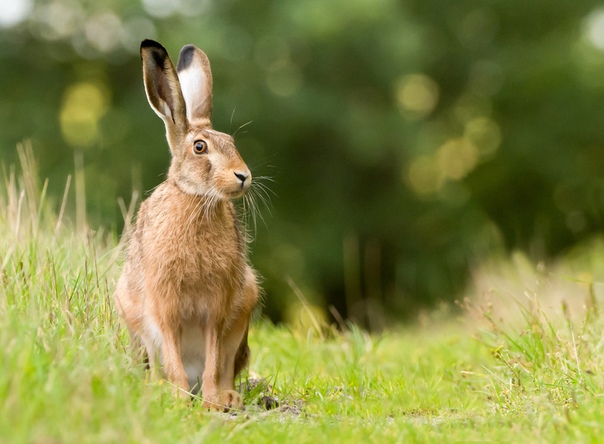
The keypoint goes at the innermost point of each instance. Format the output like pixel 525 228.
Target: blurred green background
pixel 407 140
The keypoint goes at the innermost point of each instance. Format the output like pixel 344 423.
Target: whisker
pixel 263 163
pixel 232 115
pixel 249 212
pixel 195 213
pixel 265 190
pixel 242 126
pixel 264 193
pixel 256 211
pixel 267 178
pixel 258 191
pixel 214 197
pixel 266 204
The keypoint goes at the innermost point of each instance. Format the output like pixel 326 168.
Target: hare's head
pixel 204 161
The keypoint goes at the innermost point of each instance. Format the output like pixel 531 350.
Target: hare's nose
pixel 241 176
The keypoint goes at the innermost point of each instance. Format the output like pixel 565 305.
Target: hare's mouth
pixel 237 193
pixel 238 189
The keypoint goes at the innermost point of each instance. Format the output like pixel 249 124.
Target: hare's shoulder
pixel 166 196
pixel 168 205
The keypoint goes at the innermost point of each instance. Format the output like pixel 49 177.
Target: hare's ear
pixel 196 82
pixel 162 85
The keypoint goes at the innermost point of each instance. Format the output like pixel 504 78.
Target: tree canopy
pixel 405 140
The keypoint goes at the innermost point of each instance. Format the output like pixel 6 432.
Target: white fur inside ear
pixel 194 86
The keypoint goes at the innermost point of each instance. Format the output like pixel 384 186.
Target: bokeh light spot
pixel 58 19
pixel 83 106
pixel 456 158
pixel 484 134
pixel 594 28
pixel 13 12
pixel 417 94
pixel 161 8
pixel 423 176
pixel 103 31
pixel 284 79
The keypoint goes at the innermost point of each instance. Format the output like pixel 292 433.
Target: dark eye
pixel 200 147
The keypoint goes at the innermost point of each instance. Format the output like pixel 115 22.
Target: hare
pixel 187 289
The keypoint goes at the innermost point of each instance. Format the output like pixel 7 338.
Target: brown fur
pixel 187 290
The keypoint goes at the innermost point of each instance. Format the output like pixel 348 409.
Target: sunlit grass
pixel 67 373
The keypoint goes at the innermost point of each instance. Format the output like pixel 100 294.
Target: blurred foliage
pixel 406 139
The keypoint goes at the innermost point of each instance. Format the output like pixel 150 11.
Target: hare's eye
pixel 200 147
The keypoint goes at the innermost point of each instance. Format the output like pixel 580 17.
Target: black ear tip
pixel 185 57
pixel 147 43
pixel 187 48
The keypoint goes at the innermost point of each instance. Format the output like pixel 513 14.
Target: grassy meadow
pixel 520 360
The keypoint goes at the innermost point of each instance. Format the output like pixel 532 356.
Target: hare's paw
pixel 227 400
pixel 230 399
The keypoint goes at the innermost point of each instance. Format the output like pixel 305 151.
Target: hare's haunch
pixel 187 289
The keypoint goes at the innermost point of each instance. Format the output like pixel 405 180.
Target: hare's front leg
pixel 218 388
pixel 227 351
pixel 167 326
pixel 173 367
pixel 250 299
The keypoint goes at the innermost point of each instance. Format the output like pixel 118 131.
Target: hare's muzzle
pixel 244 178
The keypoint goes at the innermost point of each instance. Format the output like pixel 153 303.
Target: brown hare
pixel 187 289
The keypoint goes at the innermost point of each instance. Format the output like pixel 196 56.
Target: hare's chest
pixel 213 264
pixel 196 253
pixel 215 267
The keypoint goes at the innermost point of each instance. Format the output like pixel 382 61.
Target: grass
pixel 67 373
